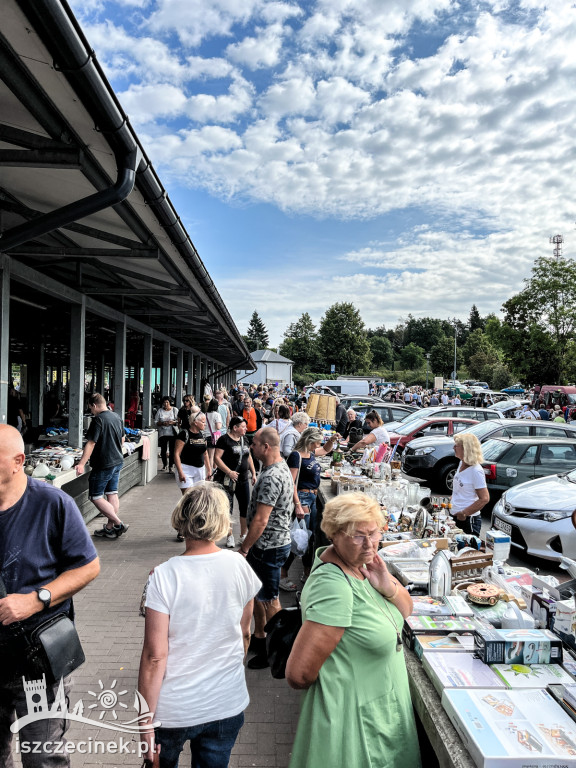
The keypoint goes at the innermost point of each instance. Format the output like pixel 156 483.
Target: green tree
pixel 342 339
pixel 301 344
pixel 256 334
pixel 442 357
pixel 382 353
pixel 475 322
pixel 477 342
pixel 547 303
pixel 425 332
pixel 412 357
pixel 380 347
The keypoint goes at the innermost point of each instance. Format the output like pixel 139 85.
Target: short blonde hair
pixel 343 513
pixel 472 449
pixel 203 513
pixel 307 437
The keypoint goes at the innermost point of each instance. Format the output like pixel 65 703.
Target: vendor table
pixel 135 471
pixel 444 739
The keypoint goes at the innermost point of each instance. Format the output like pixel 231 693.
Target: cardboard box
pixel 458 670
pixel 436 625
pixel 532 676
pixel 543 609
pixel 512 728
pixel 447 643
pixel 565 617
pixel 518 646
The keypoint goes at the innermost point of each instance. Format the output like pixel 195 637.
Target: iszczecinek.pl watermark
pixel 106 702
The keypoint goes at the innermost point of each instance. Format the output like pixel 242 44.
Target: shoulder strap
pixel 241 454
pixel 339 568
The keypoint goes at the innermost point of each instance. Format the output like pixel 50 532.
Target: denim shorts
pixel 210 743
pixel 103 482
pixel 266 564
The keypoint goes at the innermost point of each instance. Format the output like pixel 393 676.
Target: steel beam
pixel 76 380
pixel 61 159
pixel 4 336
pixel 87 252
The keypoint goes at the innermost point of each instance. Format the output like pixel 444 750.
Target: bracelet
pixel 393 595
pixel 244 553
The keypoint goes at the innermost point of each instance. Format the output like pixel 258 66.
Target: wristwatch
pixel 45 596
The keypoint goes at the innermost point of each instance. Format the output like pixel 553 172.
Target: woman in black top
pixel 190 456
pixel 234 469
pixel 184 413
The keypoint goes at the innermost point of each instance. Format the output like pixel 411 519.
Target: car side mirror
pixel 419 434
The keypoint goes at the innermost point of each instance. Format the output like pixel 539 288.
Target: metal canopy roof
pixel 81 206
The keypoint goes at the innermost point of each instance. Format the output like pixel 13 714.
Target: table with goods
pixel 490 648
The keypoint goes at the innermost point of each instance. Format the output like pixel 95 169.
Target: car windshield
pixel 481 429
pixel 415 424
pixel 419 414
pixel 503 404
pixel 494 449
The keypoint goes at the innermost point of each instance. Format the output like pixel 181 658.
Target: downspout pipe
pixel 77 210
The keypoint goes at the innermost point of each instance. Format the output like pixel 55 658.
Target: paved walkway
pixel 112 632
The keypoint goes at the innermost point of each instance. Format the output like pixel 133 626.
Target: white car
pixel 537 515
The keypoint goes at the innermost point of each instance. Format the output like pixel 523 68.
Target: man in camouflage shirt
pixel 267 544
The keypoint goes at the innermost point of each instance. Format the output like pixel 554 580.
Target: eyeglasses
pixel 360 538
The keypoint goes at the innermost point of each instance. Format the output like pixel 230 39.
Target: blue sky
pixel 410 156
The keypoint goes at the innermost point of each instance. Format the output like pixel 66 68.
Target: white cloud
pixel 263 50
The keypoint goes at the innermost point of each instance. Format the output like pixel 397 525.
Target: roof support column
pixel 179 376
pixel 4 335
pixel 100 375
pixel 166 386
pixel 76 374
pixel 147 384
pixel 190 383
pixel 37 385
pixel 198 378
pixel 120 371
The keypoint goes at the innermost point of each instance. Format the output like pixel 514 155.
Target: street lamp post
pixel 427 361
pixel 455 348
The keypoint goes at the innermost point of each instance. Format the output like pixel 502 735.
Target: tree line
pixel 534 343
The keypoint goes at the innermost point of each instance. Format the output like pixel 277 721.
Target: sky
pixel 409 156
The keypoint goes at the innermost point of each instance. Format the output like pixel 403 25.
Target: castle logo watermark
pixel 106 702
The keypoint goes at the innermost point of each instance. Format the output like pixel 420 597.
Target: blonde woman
pixel 305 472
pixel 469 491
pixel 192 665
pixel 357 709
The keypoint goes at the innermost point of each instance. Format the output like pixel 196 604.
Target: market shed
pixel 97 273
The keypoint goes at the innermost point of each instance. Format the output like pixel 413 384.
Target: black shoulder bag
pixel 53 648
pixel 281 632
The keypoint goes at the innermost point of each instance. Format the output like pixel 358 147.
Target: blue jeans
pixel 103 482
pixel 210 743
pixel 266 564
pixel 308 499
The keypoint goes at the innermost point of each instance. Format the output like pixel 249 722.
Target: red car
pixel 428 427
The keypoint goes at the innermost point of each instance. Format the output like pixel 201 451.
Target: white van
pixel 345 386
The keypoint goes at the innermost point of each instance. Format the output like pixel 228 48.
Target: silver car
pixel 537 515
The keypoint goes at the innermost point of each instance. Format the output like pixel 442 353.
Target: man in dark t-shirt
pixel 103 447
pixel 46 556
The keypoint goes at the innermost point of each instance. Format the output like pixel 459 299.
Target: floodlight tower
pixel 557 241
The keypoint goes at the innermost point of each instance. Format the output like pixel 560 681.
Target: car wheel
pixel 446 478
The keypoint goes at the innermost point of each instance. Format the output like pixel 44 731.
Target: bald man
pixel 46 557
pixel 267 543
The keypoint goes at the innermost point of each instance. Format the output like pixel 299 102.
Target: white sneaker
pixel 241 539
pixel 230 543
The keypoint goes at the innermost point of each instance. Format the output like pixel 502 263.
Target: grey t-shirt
pixel 274 488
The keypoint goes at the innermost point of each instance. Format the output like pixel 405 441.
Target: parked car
pixel 514 389
pixel 432 458
pixel 508 408
pixel 433 425
pixel 537 515
pixel 515 460
pixel 464 411
pixel 387 412
pixel 353 401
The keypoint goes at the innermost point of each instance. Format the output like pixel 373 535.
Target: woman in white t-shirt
pixel 469 491
pixel 198 611
pixel 377 436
